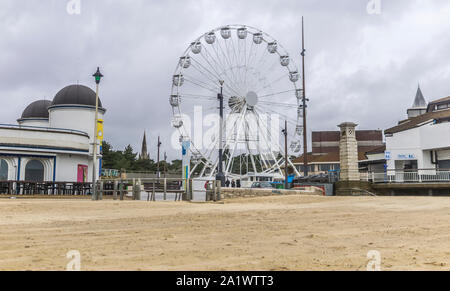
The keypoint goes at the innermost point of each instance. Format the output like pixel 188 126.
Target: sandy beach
pixel 271 233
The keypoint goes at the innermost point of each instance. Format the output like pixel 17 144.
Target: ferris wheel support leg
pixel 295 169
pixel 273 156
pixel 235 144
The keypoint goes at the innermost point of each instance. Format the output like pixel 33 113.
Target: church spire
pixel 144 152
pixel 419 101
pixel 419 106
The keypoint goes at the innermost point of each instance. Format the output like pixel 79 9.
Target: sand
pixel 271 233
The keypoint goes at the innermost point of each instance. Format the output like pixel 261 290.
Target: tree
pixel 127 160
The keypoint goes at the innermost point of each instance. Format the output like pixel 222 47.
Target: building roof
pixel 37 109
pixel 76 95
pixel 377 150
pixel 419 101
pixel 327 158
pixel 418 121
pixel 440 100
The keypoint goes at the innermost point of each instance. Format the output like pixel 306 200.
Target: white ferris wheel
pixel 260 93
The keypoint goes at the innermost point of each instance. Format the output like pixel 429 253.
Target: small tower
pixel 349 152
pixel 419 107
pixel 144 152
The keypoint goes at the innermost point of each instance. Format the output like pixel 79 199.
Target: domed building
pixel 53 139
pixel 36 114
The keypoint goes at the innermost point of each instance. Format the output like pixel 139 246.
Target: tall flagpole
pixel 305 131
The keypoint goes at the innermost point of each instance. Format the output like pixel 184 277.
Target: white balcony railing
pixel 408 176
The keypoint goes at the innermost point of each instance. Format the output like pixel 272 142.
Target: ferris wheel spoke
pixel 223 61
pixel 273 82
pixel 279 104
pixel 271 68
pixel 193 96
pixel 202 84
pixel 196 98
pixel 213 81
pixel 263 57
pixel 290 120
pixel 228 90
pixel 236 63
pixel 218 74
pixel 244 64
pixel 240 65
pixel 217 60
pixel 227 59
pixel 277 93
pixel 197 63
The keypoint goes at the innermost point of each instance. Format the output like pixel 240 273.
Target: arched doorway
pixel 3 170
pixel 34 171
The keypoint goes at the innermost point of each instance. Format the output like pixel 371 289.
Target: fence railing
pixel 408 176
pixel 161 189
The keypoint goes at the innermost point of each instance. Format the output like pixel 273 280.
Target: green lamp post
pixel 98 76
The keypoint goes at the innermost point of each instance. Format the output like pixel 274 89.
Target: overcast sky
pixel 361 67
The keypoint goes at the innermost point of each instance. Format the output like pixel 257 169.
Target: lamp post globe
pixel 98 76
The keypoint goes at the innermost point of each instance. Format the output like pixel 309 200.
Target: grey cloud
pixel 137 43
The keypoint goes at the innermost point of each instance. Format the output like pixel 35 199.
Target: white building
pixel 423 140
pixel 52 141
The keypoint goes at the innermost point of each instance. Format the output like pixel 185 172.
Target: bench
pixel 157 187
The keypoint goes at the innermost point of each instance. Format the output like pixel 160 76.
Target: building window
pixel 3 170
pixel 444 165
pixel 310 168
pixel 325 168
pixel 34 171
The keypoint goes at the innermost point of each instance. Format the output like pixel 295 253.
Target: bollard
pixel 189 191
pixel 154 192
pixel 102 188
pixel 133 189
pixel 116 187
pixel 165 189
pixel 219 190
pixel 136 187
pixel 137 190
pixel 121 185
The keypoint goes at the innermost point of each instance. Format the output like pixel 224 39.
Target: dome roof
pixel 76 95
pixel 37 109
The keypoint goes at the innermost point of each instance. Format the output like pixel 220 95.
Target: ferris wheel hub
pixel 251 99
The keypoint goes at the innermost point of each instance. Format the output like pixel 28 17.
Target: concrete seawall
pixel 233 193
